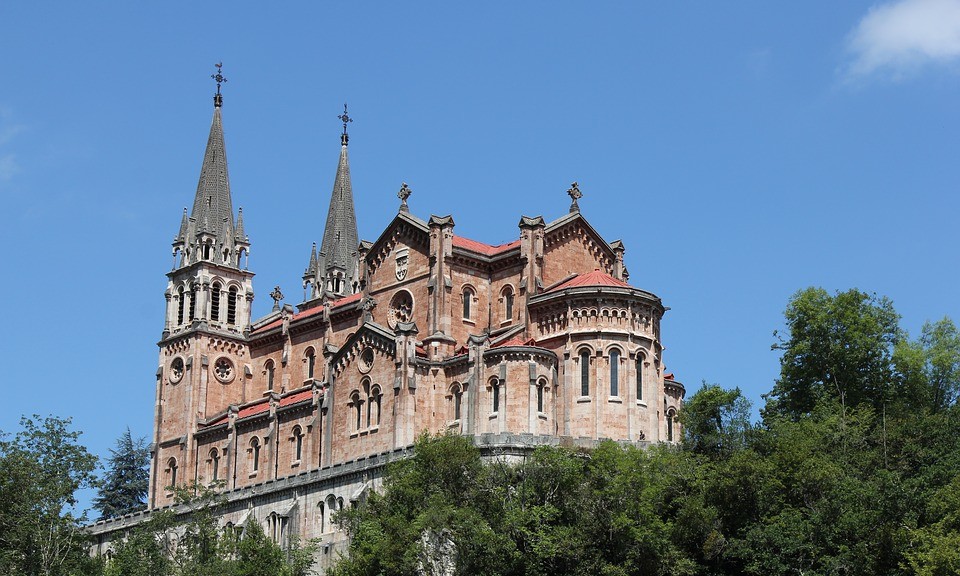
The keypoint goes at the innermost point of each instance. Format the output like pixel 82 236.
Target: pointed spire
pixel 182 234
pixel 340 237
pixel 212 213
pixel 312 264
pixel 240 234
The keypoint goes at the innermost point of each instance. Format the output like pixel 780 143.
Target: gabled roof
pixel 481 248
pixel 595 278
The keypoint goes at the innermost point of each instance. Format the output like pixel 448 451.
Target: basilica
pixel 293 416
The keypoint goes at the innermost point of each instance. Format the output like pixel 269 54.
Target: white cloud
pixel 902 36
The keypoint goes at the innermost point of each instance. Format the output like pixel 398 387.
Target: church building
pixel 293 416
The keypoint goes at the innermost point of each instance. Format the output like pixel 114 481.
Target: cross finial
pixel 344 118
pixel 403 194
pixel 277 296
pixel 220 78
pixel 575 195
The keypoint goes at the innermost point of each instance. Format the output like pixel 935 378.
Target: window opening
pixel 232 306
pixel 215 302
pixel 495 385
pixel 639 377
pixel 180 305
pixel 584 373
pixel 614 373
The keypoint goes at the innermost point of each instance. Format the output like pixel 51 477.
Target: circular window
pixel 223 370
pixel 401 308
pixel 366 360
pixel 176 370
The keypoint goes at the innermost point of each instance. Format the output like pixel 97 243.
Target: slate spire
pixel 210 233
pixel 338 251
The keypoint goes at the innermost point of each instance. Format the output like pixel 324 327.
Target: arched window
pixel 215 302
pixel 270 368
pixel 193 302
pixel 540 387
pixel 374 403
pixel 468 296
pixel 206 250
pixel 456 398
pixel 507 296
pixel 254 454
pixel 670 418
pixel 310 358
pixel 180 305
pixel 321 517
pixel 614 372
pixel 331 510
pixel 214 465
pixel 357 408
pixel 639 377
pixel 172 471
pixel 495 394
pixel 298 442
pixel 584 372
pixel 232 306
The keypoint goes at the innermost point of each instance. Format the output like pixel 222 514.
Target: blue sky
pixel 741 150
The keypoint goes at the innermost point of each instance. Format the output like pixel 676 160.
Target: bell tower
pixel 203 350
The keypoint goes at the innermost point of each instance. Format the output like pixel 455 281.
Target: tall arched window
pixel 214 465
pixel 215 302
pixel 297 442
pixel 254 454
pixel 456 397
pixel 321 517
pixel 639 377
pixel 310 358
pixel 357 409
pixel 670 417
pixel 180 305
pixel 331 510
pixel 495 394
pixel 270 368
pixel 507 304
pixel 584 372
pixel 540 386
pixel 232 306
pixel 614 372
pixel 193 302
pixel 373 402
pixel 468 296
pixel 172 471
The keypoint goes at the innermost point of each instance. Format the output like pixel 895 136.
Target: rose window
pixel 401 308
pixel 176 370
pixel 223 370
pixel 365 364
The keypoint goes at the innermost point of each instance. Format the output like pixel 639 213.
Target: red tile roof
pixel 258 408
pixel 481 248
pixel 312 311
pixel 219 420
pixel 595 278
pixel 298 397
pixel 516 341
pixel 669 376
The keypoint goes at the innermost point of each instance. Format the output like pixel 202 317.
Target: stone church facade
pixel 293 416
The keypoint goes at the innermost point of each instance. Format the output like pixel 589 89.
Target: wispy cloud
pixel 8 166
pixel 898 38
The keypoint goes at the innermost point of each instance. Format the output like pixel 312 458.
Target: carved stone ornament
pixel 403 257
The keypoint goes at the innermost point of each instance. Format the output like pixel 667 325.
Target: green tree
pixel 929 368
pixel 838 347
pixel 41 469
pixel 715 421
pixel 124 489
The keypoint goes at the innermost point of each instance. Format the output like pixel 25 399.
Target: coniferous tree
pixel 125 487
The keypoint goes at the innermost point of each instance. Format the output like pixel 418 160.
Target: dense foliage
pixel 41 469
pixel 202 546
pixel 854 469
pixel 124 489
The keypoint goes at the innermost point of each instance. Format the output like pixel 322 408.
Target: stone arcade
pixel 538 341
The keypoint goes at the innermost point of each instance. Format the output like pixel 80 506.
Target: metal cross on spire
pixel 575 195
pixel 344 118
pixel 220 78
